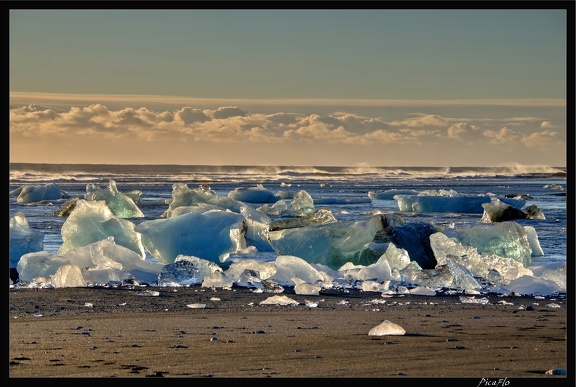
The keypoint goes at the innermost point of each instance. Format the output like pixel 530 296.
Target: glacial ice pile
pixel 102 262
pixel 210 240
pixel 92 221
pixel 449 201
pixel 38 193
pixel 257 194
pixel 23 238
pixel 121 205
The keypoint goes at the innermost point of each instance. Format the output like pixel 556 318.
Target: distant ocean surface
pixel 343 190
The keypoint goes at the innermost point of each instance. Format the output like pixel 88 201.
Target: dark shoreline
pixel 129 332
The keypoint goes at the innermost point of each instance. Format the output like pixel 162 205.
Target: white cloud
pixel 423 120
pixel 502 136
pixel 460 130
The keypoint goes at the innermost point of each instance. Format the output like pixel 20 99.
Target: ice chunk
pixel 506 239
pixel 68 276
pixel 210 235
pixel 414 238
pixel 532 235
pixel 102 262
pixel 217 279
pixel 289 267
pixel 422 291
pixel 480 265
pixel 396 257
pixel 387 328
pixel 529 285
pixel 389 194
pixel 105 262
pixel 317 217
pixel 38 193
pixel 379 271
pixel 92 221
pixel 497 211
pixel 264 270
pixel 301 205
pixel 23 238
pixel 121 205
pixel 440 277
pixel 449 203
pixel 462 278
pixel 307 289
pixel 279 300
pixel 533 212
pixel 39 264
pixel 257 194
pixel 256 233
pixel 330 244
pixel 186 270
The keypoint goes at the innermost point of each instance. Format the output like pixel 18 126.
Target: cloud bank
pixel 234 125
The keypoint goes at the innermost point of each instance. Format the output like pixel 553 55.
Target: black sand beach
pixel 199 332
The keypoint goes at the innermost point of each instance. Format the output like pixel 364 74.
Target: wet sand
pixel 129 332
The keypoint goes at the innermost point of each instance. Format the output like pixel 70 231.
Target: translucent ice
pixel 186 270
pixel 257 194
pixel 389 194
pixel 317 217
pixel 257 222
pixel 38 193
pixel 121 205
pixel 264 270
pixel 210 235
pixel 301 204
pixel 39 264
pixel 23 238
pixel 279 300
pixel 448 203
pixel 480 265
pixel 102 262
pixel 506 239
pixel 387 328
pixel 68 276
pixel 330 244
pixel 92 221
pixel 289 267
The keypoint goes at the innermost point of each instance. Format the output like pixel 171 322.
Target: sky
pixel 351 87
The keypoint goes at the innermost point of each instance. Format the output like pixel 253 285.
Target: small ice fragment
pixel 88 304
pixel 279 300
pixel 122 304
pixel 387 328
pixel 214 299
pixel 422 291
pixel 472 300
pixel 196 306
pixel 311 304
pixel 37 315
pixel 553 305
pixel 148 293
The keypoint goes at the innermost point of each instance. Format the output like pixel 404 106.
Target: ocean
pixel 343 190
